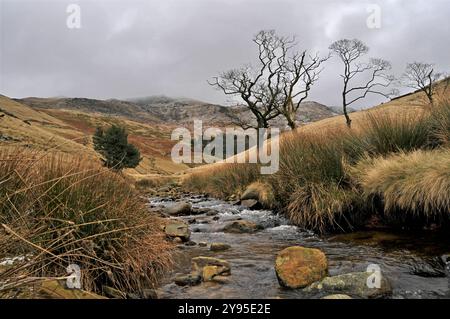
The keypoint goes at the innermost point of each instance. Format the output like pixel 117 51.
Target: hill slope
pixel 70 131
pixel 176 111
pixel 412 103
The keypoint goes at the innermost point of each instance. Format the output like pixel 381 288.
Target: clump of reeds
pixel 60 210
pixel 383 133
pixel 439 122
pixel 415 184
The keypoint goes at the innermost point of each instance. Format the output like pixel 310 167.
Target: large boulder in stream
pixel 177 229
pixel 298 267
pixel 354 284
pixel 241 226
pixel 179 209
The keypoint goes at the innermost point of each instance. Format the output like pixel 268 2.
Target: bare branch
pixel 282 76
pixel 421 76
pixel 350 51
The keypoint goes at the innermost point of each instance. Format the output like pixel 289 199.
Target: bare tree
pixel 421 76
pixel 280 82
pixel 302 73
pixel 371 74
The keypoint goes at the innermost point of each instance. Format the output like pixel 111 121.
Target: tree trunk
pixel 291 123
pixel 262 123
pixel 347 118
pixel 344 107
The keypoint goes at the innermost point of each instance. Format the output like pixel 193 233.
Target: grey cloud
pixel 137 48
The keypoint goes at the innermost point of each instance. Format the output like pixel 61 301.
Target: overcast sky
pixel 135 48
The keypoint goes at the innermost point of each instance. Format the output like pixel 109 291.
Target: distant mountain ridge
pixel 163 109
pixel 106 107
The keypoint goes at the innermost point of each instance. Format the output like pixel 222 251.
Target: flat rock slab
pixel 213 265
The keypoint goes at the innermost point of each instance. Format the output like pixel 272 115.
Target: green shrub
pixel 113 145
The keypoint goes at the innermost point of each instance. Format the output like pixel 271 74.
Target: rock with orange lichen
pixel 298 267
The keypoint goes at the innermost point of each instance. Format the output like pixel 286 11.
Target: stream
pixel 410 261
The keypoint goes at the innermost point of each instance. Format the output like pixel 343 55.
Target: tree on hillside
pixel 371 75
pixel 113 145
pixel 278 84
pixel 422 76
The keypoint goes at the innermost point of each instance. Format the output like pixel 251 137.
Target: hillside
pixel 184 111
pixel 410 104
pixel 70 131
pixel 176 111
pixel 67 124
pixel 106 107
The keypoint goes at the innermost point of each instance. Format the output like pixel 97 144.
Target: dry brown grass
pixel 222 181
pixel 325 207
pixel 61 210
pixel 440 123
pixel 416 183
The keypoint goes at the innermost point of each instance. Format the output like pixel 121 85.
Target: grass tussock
pixel 439 122
pixel 324 207
pixel 416 183
pixel 312 185
pixel 384 133
pixel 59 210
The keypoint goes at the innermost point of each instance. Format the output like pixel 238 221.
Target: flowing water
pixel 411 262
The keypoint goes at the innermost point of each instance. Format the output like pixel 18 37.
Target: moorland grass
pixel 316 185
pixel 415 184
pixel 59 210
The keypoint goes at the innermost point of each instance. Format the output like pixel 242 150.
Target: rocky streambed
pixel 227 250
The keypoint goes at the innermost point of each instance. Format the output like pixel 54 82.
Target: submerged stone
pixel 188 280
pixel 337 296
pixel 219 247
